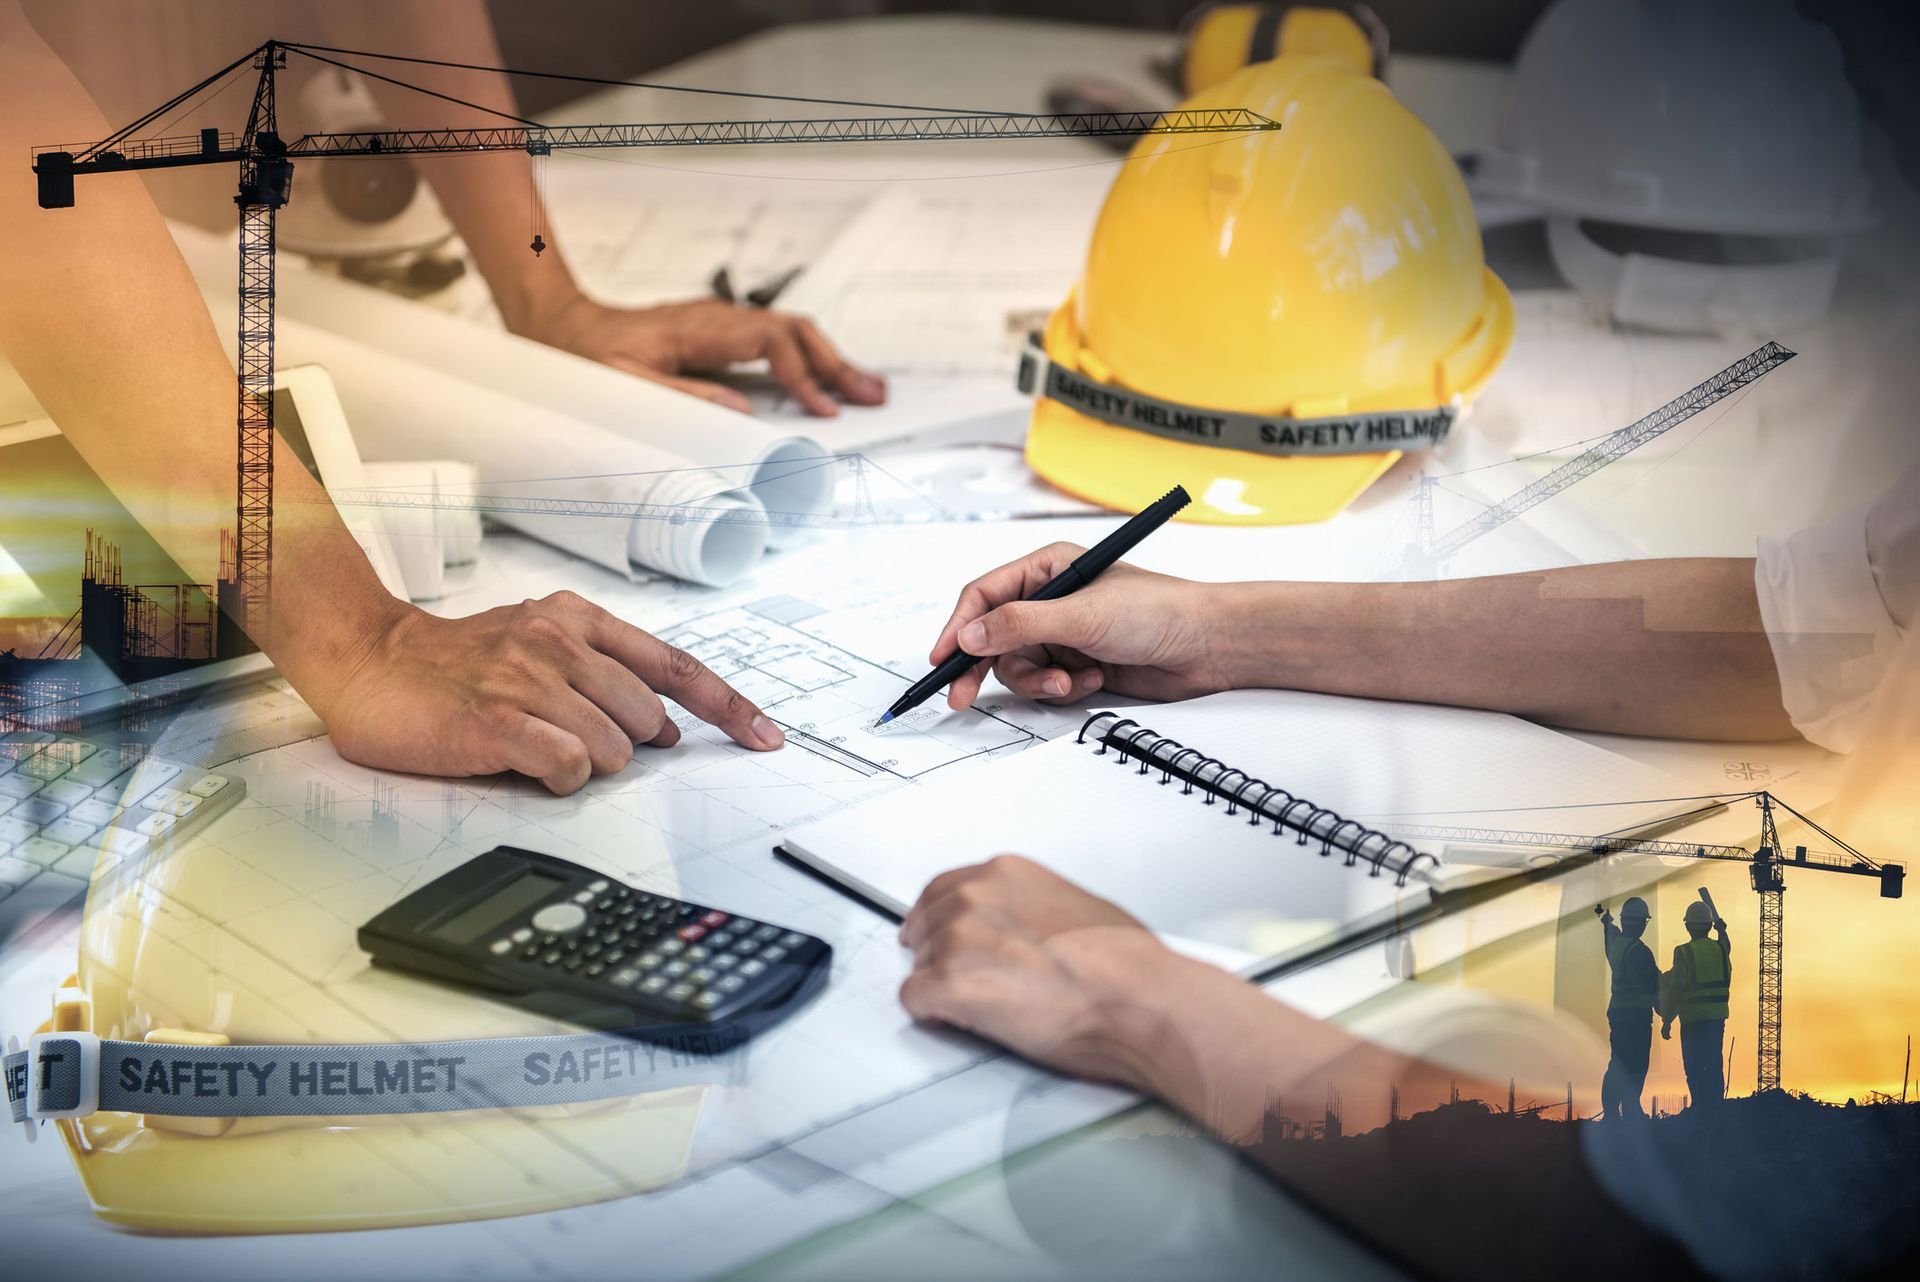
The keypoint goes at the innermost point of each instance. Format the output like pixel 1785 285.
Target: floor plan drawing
pixel 827 698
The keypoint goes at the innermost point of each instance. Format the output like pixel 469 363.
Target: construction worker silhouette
pixel 1695 992
pixel 1630 1005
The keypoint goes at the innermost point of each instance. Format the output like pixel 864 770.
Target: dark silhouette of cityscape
pixel 122 633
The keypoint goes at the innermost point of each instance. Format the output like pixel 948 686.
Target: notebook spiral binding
pixel 1132 743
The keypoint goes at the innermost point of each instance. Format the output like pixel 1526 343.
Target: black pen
pixel 1085 569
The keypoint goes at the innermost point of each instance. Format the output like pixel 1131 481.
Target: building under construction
pixel 126 632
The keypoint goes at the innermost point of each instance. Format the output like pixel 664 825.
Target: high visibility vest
pixel 1704 981
pixel 1634 986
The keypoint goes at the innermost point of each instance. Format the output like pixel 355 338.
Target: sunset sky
pixel 48 500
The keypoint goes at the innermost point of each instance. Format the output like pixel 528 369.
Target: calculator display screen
pixel 518 895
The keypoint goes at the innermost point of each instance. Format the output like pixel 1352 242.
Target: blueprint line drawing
pixel 826 698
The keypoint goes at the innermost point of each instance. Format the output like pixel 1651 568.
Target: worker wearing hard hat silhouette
pixel 1695 992
pixel 1635 993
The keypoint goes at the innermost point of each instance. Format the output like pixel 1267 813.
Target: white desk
pixel 1057 1211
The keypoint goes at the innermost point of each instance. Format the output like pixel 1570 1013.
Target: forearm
pixel 1671 648
pixel 105 324
pixel 490 198
pixel 1225 1053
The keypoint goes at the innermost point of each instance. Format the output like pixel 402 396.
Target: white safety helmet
pixel 1697 160
pixel 225 1059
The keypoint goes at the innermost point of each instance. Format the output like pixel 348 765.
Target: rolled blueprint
pixel 540 471
pixel 791 476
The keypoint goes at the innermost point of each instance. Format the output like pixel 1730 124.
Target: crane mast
pixel 265 162
pixel 1766 865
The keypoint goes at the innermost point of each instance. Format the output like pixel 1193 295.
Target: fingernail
pixel 769 735
pixel 1095 679
pixel 973 636
pixel 1055 684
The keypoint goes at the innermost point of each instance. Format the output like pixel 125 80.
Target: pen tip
pixel 884 718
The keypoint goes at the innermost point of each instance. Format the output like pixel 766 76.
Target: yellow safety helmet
pixel 201 953
pixel 1697 914
pixel 1271 318
pixel 1223 38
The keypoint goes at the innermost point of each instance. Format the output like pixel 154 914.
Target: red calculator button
pixel 713 919
pixel 691 933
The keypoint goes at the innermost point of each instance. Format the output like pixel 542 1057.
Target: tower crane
pixel 265 160
pixel 1430 551
pixel 1767 864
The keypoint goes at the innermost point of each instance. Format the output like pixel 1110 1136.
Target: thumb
pixel 1024 623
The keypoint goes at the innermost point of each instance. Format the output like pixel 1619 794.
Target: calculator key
pixel 572 963
pixel 730 983
pixel 604 905
pixel 715 918
pixel 571 946
pixel 155 825
pixel 752 968
pixel 207 785
pixel 625 977
pixel 652 984
pixel 17 829
pixel 558 919
pixel 647 961
pixel 689 910
pixel 680 992
pixel 773 954
pixel 766 932
pixel 697 954
pixel 792 939
pixel 593 950
pixel 500 947
pixel 691 933
pixel 530 953
pixel 584 897
pixel 521 935
pixel 621 892
pixel 615 956
pixel 598 886
pixel 593 969
pixel 551 959
pixel 674 969
pixel 669 947
pixel 725 961
pixel 744 947
pixel 700 975
pixel 707 1001
pixel 628 909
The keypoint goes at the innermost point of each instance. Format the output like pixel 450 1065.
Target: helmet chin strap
pixel 1372 432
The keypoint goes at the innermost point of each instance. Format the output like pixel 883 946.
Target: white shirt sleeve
pixel 1837 601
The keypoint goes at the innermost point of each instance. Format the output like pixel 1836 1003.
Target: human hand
pixel 1019 955
pixel 667 342
pixel 1130 630
pixel 557 689
pixel 1666 1030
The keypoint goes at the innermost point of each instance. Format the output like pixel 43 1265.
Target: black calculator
pixel 563 940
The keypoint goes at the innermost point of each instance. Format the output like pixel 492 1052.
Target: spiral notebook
pixel 1258 825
